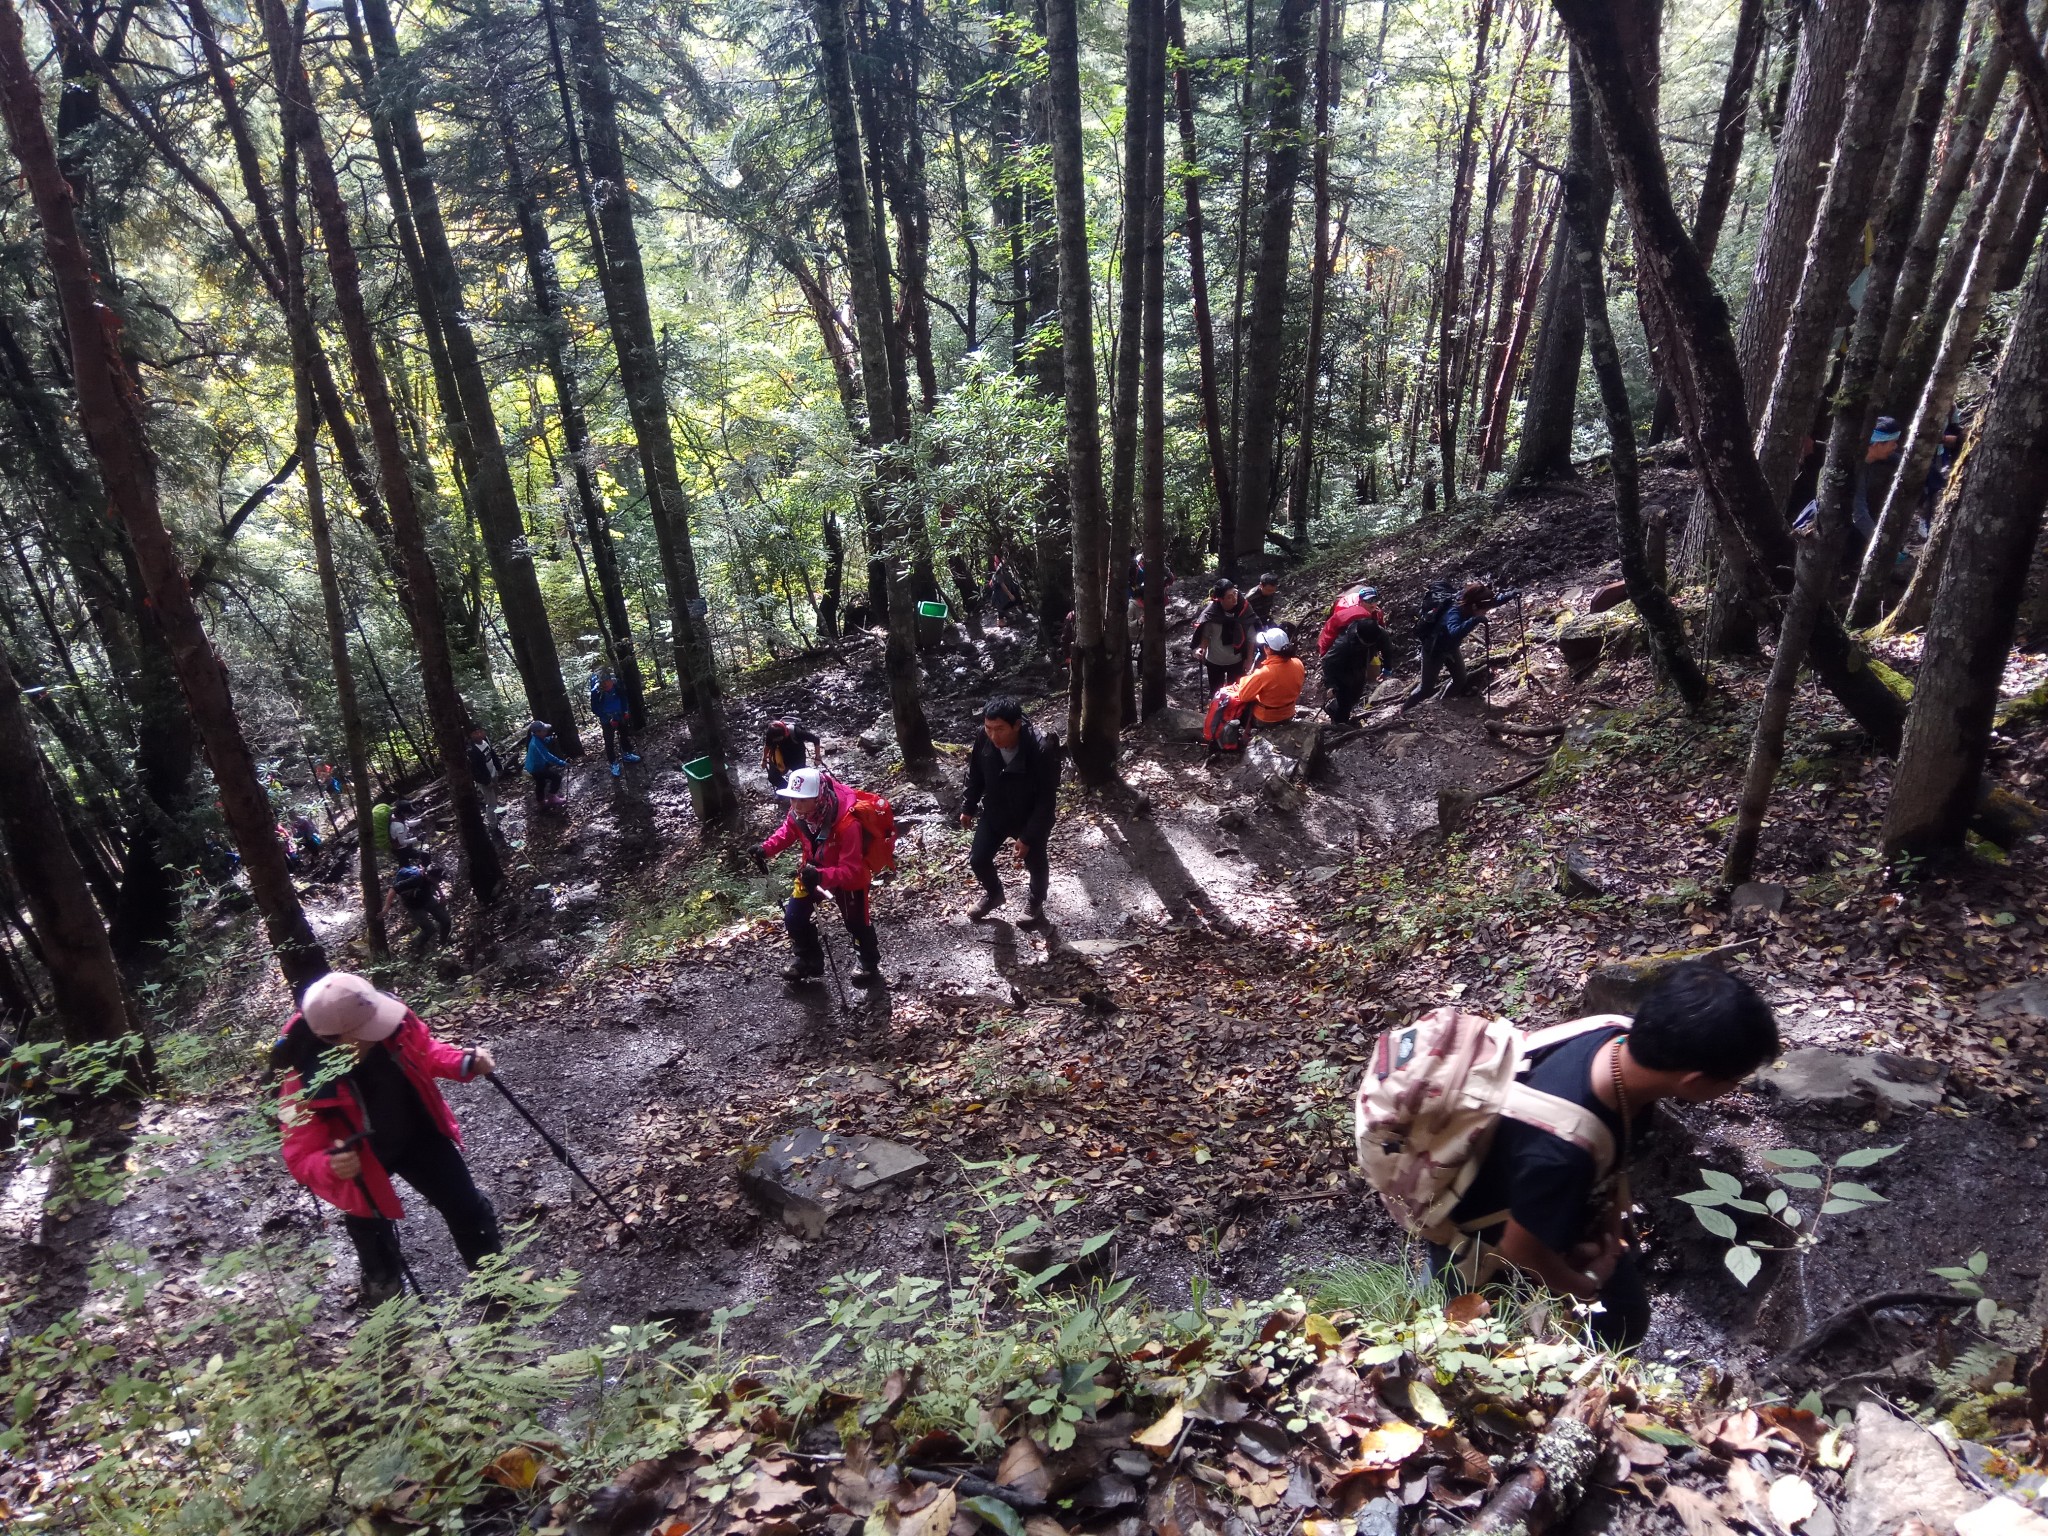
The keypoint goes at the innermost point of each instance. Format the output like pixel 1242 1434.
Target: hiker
pixel 380 826
pixel 1266 695
pixel 544 767
pixel 287 846
pixel 1263 599
pixel 786 747
pixel 417 883
pixel 613 714
pixel 307 834
pixel 820 824
pixel 1445 623
pixel 407 831
pixel 1013 791
pixel 381 1116
pixel 485 766
pixel 1003 592
pixel 1353 662
pixel 1135 583
pixel 1222 638
pixel 1362 603
pixel 1541 1202
pixel 327 780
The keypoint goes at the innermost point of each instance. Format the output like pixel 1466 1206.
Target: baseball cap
pixel 1276 639
pixel 344 1006
pixel 804 784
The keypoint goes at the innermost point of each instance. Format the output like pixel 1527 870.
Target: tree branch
pixel 203 573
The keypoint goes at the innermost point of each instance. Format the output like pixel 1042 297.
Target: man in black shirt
pixel 786 747
pixel 1013 791
pixel 1550 1208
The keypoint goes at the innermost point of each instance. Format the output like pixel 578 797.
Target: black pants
pixel 798 921
pixel 989 837
pixel 433 1166
pixel 1624 1315
pixel 1220 676
pixel 429 919
pixel 1440 653
pixel 616 740
pixel 1346 689
pixel 547 784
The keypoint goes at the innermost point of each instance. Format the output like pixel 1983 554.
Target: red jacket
pixel 313 1126
pixel 1341 614
pixel 841 856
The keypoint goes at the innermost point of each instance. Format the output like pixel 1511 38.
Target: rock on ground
pixel 1901 1473
pixel 1878 1084
pixel 808 1176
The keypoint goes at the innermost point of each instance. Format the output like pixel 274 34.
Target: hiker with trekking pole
pixel 841 837
pixel 361 1105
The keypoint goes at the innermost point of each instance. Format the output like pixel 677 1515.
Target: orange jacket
pixel 1271 688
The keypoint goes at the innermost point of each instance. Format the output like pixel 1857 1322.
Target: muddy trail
pixel 1180 1039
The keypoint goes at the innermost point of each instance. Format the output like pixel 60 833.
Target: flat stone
pixel 1878 1084
pixel 1621 985
pixel 807 1176
pixel 1094 949
pixel 1609 636
pixel 1900 1473
pixel 2028 997
pixel 1613 595
pixel 879 737
pixel 1576 875
pixel 1759 894
pixel 2002 1517
pixel 1391 690
pixel 1171 724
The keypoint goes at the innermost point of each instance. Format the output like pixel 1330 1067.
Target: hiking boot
pixel 867 976
pixel 802 970
pixel 1034 910
pixel 617 769
pixel 376 1292
pixel 631 757
pixel 989 902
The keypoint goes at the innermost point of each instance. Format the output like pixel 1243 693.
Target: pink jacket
pixel 841 857
pixel 313 1126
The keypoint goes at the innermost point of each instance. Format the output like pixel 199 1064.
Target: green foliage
pixel 1792 1169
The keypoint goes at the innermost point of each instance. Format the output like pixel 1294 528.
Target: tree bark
pixel 1850 423
pixel 1997 522
pixel 85 983
pixel 1454 325
pixel 645 384
pixel 1705 356
pixel 1328 77
pixel 445 712
pixel 1260 343
pixel 111 413
pixel 885 428
pixel 1141 122
pixel 1095 707
pixel 1652 603
pixel 1198 283
pixel 472 421
pixel 1152 392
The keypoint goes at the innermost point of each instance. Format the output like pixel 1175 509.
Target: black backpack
pixel 1436 602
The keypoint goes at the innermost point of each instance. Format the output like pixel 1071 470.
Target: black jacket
pixel 1356 646
pixel 1020 795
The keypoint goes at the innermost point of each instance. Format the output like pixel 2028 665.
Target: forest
pixel 1422 520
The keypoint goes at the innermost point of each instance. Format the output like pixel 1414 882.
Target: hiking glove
pixel 761 858
pixel 812 877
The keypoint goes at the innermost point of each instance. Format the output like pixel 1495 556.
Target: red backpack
pixel 877 818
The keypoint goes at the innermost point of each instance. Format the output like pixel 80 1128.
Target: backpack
pixel 1436 602
pixel 1223 728
pixel 415 883
pixel 1432 1097
pixel 877 818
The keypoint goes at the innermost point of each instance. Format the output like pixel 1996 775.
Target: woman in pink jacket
pixel 360 1105
pixel 822 826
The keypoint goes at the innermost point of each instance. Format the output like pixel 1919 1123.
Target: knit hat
pixel 344 1006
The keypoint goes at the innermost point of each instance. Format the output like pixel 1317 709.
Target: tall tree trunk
pixel 553 327
pixel 645 383
pixel 85 984
pixel 870 312
pixel 1328 74
pixel 1260 342
pixel 1705 355
pixel 1997 522
pixel 1923 439
pixel 1652 603
pixel 1849 427
pixel 1198 283
pixel 110 412
pixel 473 423
pixel 1152 403
pixel 445 712
pixel 1724 161
pixel 1835 250
pixel 1453 323
pixel 1094 712
pixel 1545 451
pixel 1493 444
pixel 1141 121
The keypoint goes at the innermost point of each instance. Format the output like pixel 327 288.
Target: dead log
pixel 1547 1488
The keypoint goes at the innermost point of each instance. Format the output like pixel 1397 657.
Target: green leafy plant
pixel 1798 1174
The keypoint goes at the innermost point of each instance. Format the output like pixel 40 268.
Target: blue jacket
pixel 608 706
pixel 538 756
pixel 1456 624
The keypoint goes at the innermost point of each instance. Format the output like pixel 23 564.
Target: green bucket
pixel 698 772
pixel 932 610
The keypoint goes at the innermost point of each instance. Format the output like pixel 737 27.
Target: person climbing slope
pixel 821 825
pixel 1442 631
pixel 1361 651
pixel 786 747
pixel 1264 599
pixel 614 714
pixel 544 767
pixel 418 884
pixel 1013 791
pixel 1361 603
pixel 360 1106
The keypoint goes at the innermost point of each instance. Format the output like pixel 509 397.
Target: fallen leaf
pixel 1428 1406
pixel 767 1493
pixel 1700 1515
pixel 517 1468
pixel 1022 1469
pixel 1387 1446
pixel 1835 1451
pixel 1158 1436
pixel 1468 1308
pixel 1640 1452
pixel 1791 1500
pixel 996 1513
pixel 935 1519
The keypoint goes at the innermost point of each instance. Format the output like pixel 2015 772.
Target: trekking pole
pixel 562 1154
pixel 832 960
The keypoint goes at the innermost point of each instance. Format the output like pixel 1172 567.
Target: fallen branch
pixel 1544 1491
pixel 1505 728
pixel 1834 1323
pixel 975 1488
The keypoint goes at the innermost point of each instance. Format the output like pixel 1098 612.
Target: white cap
pixel 1275 639
pixel 804 784
pixel 343 1006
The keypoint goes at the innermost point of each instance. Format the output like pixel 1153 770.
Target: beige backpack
pixel 1429 1102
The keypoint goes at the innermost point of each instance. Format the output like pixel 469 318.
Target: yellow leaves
pixel 1791 1500
pixel 1428 1406
pixel 517 1469
pixel 1387 1446
pixel 934 1519
pixel 1160 1435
